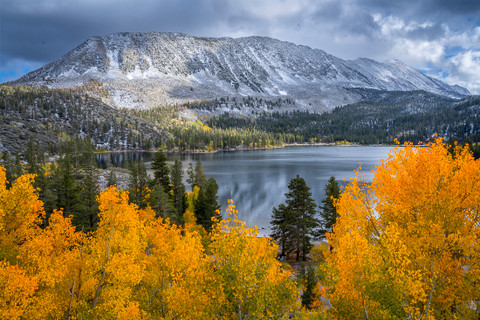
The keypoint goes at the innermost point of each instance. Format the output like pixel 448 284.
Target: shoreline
pixel 286 145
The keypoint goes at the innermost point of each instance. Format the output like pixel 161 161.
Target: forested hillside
pixel 47 115
pixel 51 116
pixel 372 122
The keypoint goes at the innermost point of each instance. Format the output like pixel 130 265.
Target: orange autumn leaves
pixel 404 246
pixel 36 264
pixel 134 266
pixel 255 285
pixel 407 246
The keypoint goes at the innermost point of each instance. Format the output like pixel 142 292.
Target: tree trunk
pixel 100 283
pixel 71 291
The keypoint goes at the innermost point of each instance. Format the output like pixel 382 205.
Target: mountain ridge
pixel 142 70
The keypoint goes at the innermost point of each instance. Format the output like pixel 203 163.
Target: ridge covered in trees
pixel 370 122
pixel 54 115
pixel 51 115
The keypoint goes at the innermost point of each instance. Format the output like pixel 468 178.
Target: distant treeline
pixel 369 123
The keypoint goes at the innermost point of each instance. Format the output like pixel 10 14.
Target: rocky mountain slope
pixel 141 70
pixel 52 115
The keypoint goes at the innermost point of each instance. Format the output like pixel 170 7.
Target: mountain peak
pixel 141 70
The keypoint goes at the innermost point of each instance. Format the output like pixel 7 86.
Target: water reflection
pixel 121 159
pixel 258 180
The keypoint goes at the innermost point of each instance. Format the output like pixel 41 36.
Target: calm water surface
pixel 258 180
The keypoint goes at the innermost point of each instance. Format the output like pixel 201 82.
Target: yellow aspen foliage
pixel 17 290
pixel 178 282
pixel 406 246
pixel 190 224
pixel 132 312
pixel 114 257
pixel 192 197
pixel 189 218
pixel 317 253
pixel 254 284
pixel 44 262
pixel 147 216
pixel 20 214
pixel 54 257
pixel 133 266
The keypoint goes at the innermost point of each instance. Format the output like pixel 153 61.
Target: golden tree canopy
pixel 407 245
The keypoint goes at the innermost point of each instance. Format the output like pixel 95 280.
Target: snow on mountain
pixel 141 70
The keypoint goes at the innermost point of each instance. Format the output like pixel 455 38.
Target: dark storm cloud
pixel 344 19
pixel 34 32
pixel 462 7
pixel 362 23
pixel 42 31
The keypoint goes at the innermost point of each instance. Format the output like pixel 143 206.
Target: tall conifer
pixel 328 211
pixel 294 224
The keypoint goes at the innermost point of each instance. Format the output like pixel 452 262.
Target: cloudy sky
pixel 439 37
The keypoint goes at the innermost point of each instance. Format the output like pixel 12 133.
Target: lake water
pixel 258 180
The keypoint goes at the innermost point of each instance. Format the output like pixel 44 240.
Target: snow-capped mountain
pixel 141 70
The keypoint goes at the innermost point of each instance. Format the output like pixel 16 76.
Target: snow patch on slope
pixel 142 70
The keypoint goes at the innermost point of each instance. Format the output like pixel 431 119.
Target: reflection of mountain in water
pixel 258 180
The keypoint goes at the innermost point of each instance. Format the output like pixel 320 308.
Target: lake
pixel 258 180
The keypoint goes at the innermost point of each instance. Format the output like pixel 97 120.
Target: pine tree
pixel 161 172
pixel 308 278
pixel 207 204
pixel 88 196
pixel 112 179
pixel 328 211
pixel 7 163
pixel 191 175
pixel 87 214
pixel 279 223
pixel 200 179
pixel 31 155
pixel 67 188
pixel 178 191
pixel 17 168
pixel 161 203
pixel 138 185
pixel 295 224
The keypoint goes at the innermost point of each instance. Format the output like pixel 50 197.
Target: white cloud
pixel 417 53
pixel 467 63
pixel 432 47
pixel 464 70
